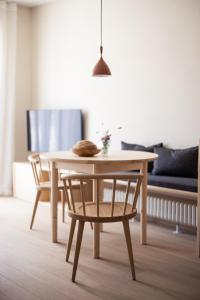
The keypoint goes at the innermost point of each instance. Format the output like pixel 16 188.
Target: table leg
pixel 101 191
pixel 97 226
pixel 96 231
pixel 54 200
pixel 143 211
pixel 96 243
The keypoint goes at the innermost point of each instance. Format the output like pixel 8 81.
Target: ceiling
pixel 30 2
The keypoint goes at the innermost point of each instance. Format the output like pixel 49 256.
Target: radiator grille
pixel 160 208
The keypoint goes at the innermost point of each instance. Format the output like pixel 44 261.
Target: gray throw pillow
pixel 176 162
pixel 137 147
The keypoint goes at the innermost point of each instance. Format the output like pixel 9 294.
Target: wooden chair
pixel 42 185
pixel 100 212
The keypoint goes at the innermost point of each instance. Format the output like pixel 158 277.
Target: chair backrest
pixel 82 178
pixel 36 165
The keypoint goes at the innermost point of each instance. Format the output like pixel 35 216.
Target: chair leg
pixel 63 205
pixel 35 208
pixel 71 234
pixel 129 246
pixel 78 247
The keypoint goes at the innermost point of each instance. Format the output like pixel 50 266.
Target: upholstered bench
pixel 172 186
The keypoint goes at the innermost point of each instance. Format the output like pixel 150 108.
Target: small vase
pixel 105 149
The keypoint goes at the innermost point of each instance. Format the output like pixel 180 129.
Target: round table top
pixel 113 157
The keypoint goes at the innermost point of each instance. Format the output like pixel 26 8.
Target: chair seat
pixel 46 185
pixel 104 212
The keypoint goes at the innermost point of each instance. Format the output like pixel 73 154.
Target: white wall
pixel 152 48
pixel 23 84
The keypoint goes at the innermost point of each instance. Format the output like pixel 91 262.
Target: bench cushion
pixel 171 182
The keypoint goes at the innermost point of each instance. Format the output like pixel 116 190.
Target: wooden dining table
pixel 115 162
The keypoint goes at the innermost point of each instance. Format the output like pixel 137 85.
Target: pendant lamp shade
pixel 101 69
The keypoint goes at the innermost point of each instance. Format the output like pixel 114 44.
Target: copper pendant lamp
pixel 101 69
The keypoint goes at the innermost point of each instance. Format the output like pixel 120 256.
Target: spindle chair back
pixel 42 177
pixel 37 168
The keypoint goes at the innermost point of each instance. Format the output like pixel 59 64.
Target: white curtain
pixel 8 34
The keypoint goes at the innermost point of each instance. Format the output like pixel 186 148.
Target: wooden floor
pixel 31 267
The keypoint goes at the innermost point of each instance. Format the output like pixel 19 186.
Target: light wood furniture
pixel 42 183
pixel 43 186
pixel 115 162
pixel 23 177
pixel 198 209
pixel 100 212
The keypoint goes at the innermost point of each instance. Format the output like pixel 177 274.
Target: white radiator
pixel 173 211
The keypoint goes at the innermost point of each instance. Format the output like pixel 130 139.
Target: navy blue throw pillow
pixel 137 147
pixel 179 162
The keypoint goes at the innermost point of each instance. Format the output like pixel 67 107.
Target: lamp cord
pixel 101 20
pixel 101 47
